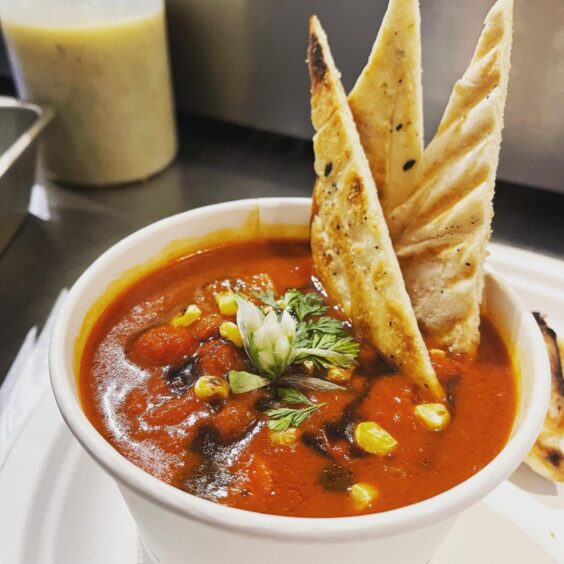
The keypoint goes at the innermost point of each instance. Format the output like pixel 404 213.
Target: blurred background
pixel 242 61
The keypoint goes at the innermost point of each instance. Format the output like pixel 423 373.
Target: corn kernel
pixel 435 415
pixel 363 495
pixel 437 353
pixel 339 375
pixel 211 387
pixel 370 437
pixel 229 330
pixel 284 438
pixel 226 303
pixel 190 315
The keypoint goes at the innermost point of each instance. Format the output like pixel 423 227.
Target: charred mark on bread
pixel 316 61
pixel 551 342
pixel 355 188
pixel 554 457
pixel 547 456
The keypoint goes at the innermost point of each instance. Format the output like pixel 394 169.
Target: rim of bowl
pixel 246 522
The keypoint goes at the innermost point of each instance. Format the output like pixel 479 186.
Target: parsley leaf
pixel 291 395
pixel 324 324
pixel 267 298
pixel 326 350
pixel 284 418
pixel 306 329
pixel 303 305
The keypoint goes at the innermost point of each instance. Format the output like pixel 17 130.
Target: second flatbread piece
pixel 441 232
pixel 387 106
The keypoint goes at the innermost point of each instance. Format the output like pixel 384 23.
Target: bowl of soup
pixel 153 372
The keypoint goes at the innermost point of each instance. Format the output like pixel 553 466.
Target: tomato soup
pixel 158 380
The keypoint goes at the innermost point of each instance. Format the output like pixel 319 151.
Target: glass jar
pixel 103 66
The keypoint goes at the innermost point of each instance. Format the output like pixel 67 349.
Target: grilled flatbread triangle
pixel 547 455
pixel 441 232
pixel 387 106
pixel 351 247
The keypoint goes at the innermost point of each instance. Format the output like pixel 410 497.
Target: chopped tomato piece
pixel 235 420
pixel 207 326
pixel 135 403
pixel 217 358
pixel 165 344
pixel 172 412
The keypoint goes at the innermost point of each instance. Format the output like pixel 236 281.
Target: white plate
pixel 58 507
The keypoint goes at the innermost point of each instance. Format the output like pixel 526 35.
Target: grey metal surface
pixel 20 127
pixel 217 162
pixel 243 61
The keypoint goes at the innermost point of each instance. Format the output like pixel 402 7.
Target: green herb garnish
pixel 267 298
pixel 291 330
pixel 284 418
pixel 242 381
pixel 303 305
pixel 302 382
pixel 291 395
pixel 323 324
pixel 328 349
pixel 300 304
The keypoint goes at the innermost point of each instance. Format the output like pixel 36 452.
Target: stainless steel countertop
pixel 217 162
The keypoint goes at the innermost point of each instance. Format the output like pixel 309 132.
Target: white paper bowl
pixel 177 527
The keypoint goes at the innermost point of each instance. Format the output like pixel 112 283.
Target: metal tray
pixel 20 126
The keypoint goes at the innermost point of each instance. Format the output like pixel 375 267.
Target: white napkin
pixel 26 381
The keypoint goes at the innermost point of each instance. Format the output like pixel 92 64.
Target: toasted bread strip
pixel 351 247
pixel 547 455
pixel 441 232
pixel 386 103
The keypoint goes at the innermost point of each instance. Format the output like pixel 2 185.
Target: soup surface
pixel 138 376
